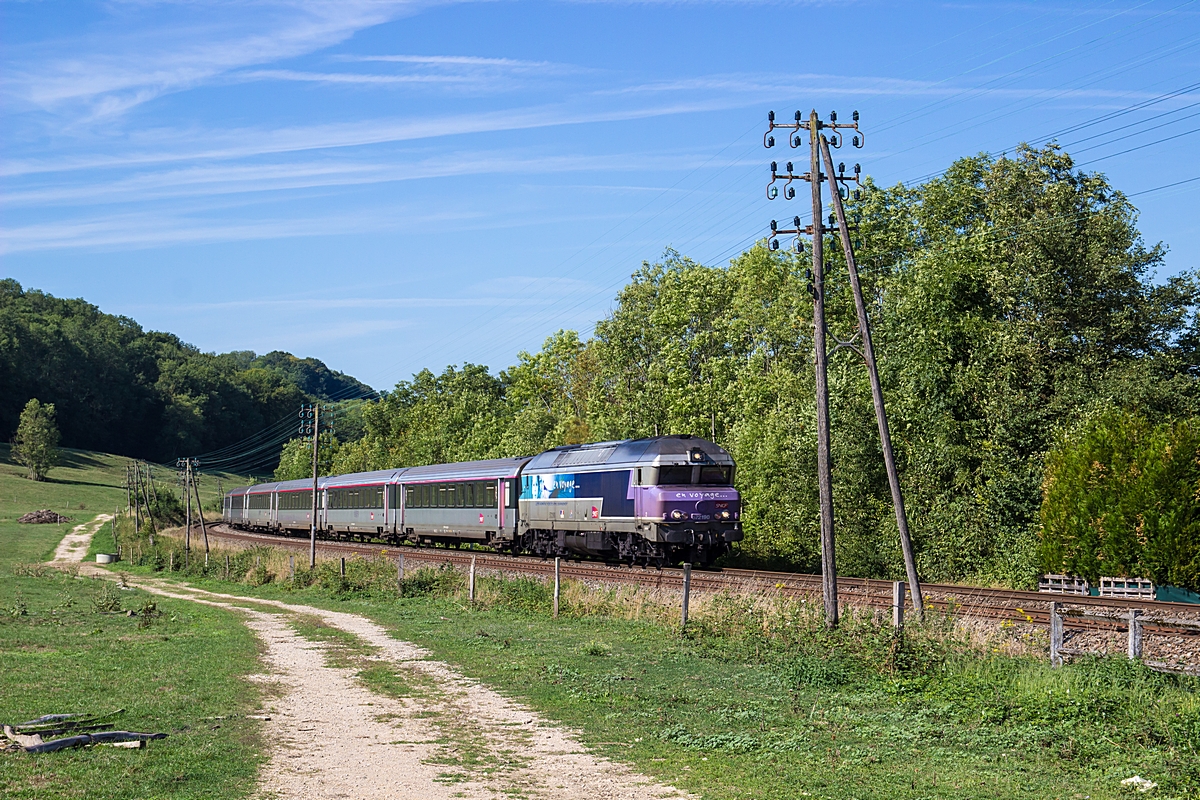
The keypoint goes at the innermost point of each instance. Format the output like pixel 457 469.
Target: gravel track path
pixel 74 545
pixel 331 737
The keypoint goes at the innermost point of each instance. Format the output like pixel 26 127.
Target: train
pixel 655 501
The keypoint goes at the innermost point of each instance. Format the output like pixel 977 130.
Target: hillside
pixel 121 389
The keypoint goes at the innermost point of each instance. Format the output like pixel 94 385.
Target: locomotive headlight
pixel 677 514
pixel 724 515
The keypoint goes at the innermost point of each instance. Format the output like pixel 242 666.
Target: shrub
pixel 1121 498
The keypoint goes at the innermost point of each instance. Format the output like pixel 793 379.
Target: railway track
pixel 1104 613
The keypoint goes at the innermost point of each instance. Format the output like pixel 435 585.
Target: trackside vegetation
pixel 1010 297
pixel 756 699
pixel 1123 498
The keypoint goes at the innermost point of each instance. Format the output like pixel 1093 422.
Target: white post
pixel 898 604
pixel 687 590
pixel 471 581
pixel 1056 636
pixel 1135 634
pixel 557 582
pixel 399 570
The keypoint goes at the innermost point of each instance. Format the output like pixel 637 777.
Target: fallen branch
pixel 84 739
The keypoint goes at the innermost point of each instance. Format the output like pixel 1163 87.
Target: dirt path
pixel 450 737
pixel 74 545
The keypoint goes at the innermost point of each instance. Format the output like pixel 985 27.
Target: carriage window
pixel 715 476
pixel 470 487
pixel 491 494
pixel 460 496
pixel 674 475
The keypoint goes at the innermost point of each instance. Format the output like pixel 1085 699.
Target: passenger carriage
pixel 235 505
pixel 473 502
pixel 259 510
pixel 294 506
pixel 356 505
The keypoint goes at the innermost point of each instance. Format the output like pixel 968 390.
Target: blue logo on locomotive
pixel 547 487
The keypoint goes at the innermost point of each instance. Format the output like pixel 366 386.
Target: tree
pixel 36 444
pixel 1120 498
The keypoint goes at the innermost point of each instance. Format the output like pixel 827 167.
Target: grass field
pixel 64 650
pixel 754 702
pixel 734 710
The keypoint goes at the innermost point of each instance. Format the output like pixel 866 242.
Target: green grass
pixel 748 705
pixel 731 711
pixel 172 669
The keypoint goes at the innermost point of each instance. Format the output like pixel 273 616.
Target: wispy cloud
pixel 344 77
pixel 243 143
pixel 113 70
pixel 228 179
pixel 141 230
pixel 472 61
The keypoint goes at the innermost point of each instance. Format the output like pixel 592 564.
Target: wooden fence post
pixel 557 582
pixel 471 582
pixel 292 567
pixel 687 591
pixel 227 566
pixel 343 566
pixel 1056 636
pixel 1135 634
pixel 399 570
pixel 897 604
pixel 171 561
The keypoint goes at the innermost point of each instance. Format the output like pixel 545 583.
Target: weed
pixel 147 614
pixel 31 570
pixel 18 607
pixel 594 648
pixel 107 599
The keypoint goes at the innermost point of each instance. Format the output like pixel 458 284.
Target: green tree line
pixel 118 388
pixel 1010 299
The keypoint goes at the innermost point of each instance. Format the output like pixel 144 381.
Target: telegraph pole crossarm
pixel 868 353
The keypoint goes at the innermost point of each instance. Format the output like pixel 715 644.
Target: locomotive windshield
pixel 685 474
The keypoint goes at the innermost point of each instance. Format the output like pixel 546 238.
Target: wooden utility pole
pixel 187 479
pixel 824 470
pixel 137 505
pixel 140 490
pixel 199 506
pixel 312 530
pixel 868 353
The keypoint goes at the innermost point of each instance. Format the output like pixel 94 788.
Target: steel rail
pixel 972 601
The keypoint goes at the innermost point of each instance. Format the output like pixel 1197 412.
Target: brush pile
pixel 43 516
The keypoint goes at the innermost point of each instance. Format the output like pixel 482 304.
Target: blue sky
pixel 393 185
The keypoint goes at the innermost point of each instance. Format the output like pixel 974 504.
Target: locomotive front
pixel 664 499
pixel 686 488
